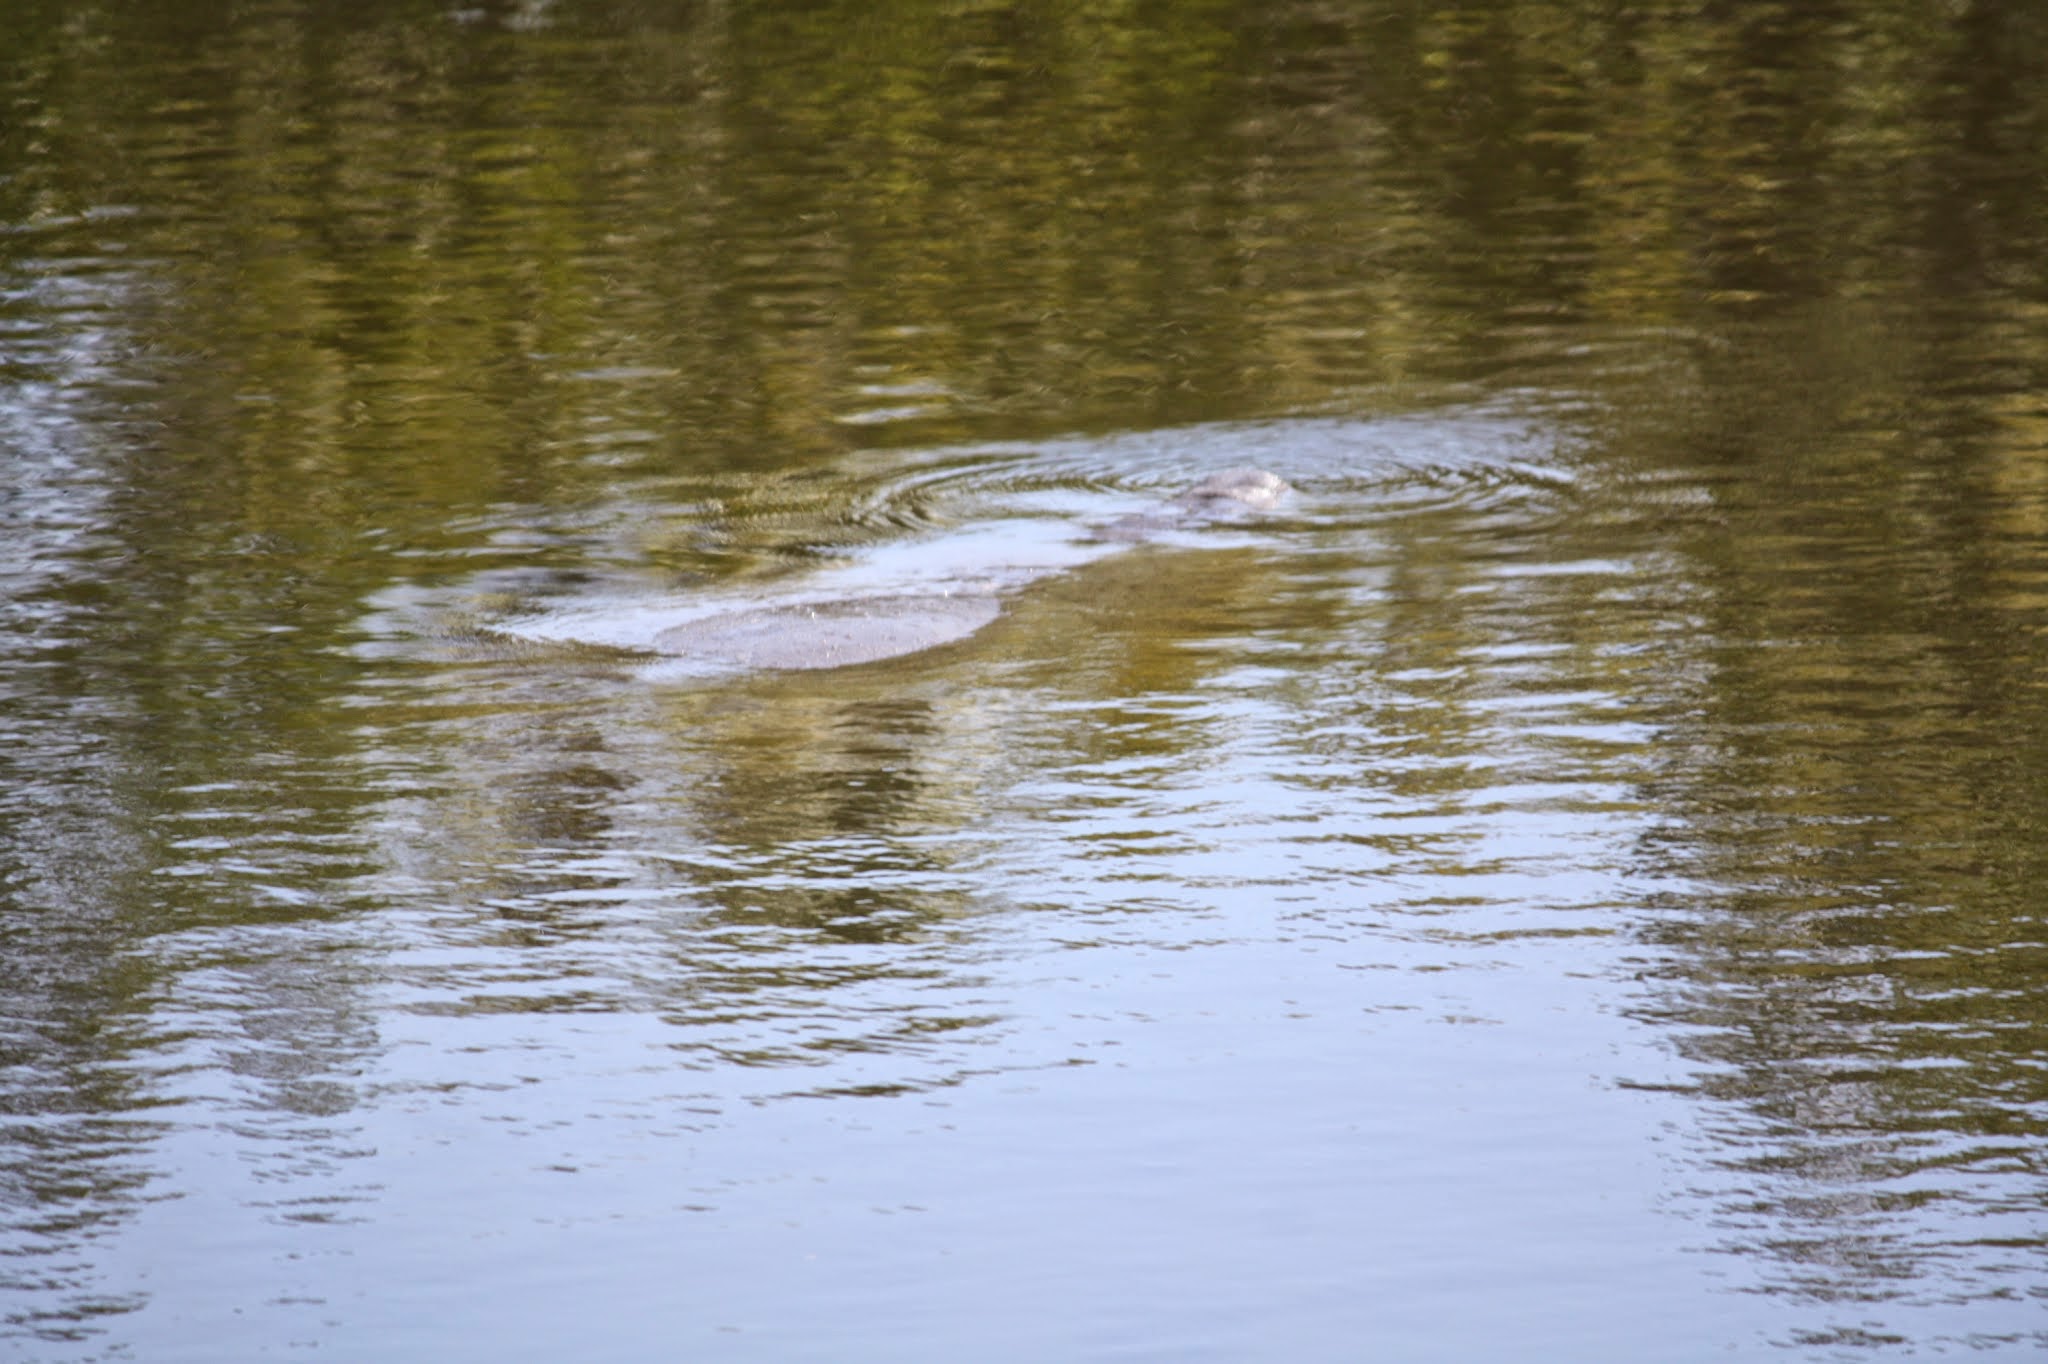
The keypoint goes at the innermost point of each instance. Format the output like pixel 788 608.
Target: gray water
pixel 1566 884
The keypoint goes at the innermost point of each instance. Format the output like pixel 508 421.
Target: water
pixel 1565 885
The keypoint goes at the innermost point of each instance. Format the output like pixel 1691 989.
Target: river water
pixel 1567 883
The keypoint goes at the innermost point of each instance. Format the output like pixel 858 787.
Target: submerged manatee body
pixel 838 632
pixel 831 634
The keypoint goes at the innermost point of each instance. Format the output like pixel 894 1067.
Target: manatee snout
pixel 1219 497
pixel 1258 489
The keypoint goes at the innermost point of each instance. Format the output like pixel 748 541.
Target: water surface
pixel 1567 884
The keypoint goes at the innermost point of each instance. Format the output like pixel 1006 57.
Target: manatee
pixel 818 631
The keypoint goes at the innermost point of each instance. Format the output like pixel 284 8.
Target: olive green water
pixel 1568 885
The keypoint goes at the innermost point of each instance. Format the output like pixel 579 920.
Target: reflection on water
pixel 1569 875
